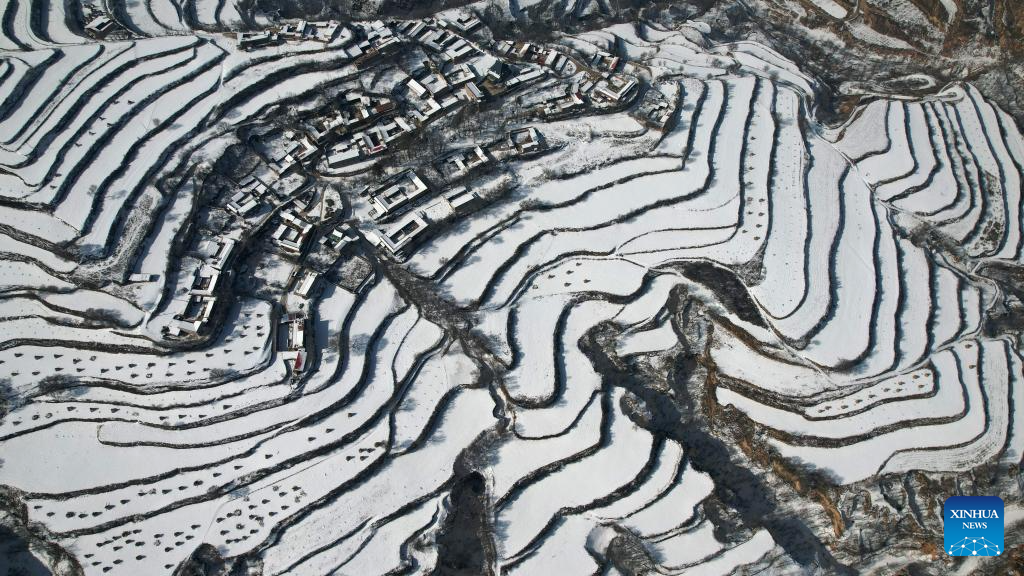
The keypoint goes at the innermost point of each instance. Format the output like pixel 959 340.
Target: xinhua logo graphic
pixel 973 525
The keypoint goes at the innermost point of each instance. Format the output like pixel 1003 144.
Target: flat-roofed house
pixel 617 89
pixel 472 92
pixel 523 140
pixel 401 236
pixel 243 203
pixel 247 40
pixel 196 313
pixel 292 339
pixel 100 26
pixel 340 237
pixel 416 88
pixel 343 153
pixel 305 283
pixel 205 281
pixel 466 23
pixel 218 252
pixel 461 199
pixel 292 233
pixel 395 193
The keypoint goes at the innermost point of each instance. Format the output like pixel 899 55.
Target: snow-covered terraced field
pixel 831 287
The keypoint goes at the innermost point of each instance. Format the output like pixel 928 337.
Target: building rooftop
pixel 400 237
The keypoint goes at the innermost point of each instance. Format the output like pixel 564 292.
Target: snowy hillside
pixel 404 297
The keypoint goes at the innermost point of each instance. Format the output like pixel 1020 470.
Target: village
pixel 293 213
pixel 406 287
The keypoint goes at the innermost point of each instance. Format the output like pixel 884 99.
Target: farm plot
pixel 205 340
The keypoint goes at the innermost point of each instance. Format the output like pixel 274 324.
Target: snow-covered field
pixel 829 281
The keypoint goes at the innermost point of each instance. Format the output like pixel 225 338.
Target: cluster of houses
pixel 196 308
pixel 329 32
pixel 394 195
pixel 300 149
pixel 366 124
pixel 304 280
pixel 389 199
pixel 380 41
pixel 355 121
pixel 364 144
pixel 291 236
pixel 296 225
pixel 369 125
pixel 248 197
pixel 303 283
pixel 468 73
pixel 291 342
pixel 609 91
pixel 256 192
pixel 433 95
pixel 459 163
pixel 356 110
pixel 428 94
pixel 595 82
pixel 402 207
pixel 401 236
pixel 549 57
pixel 442 36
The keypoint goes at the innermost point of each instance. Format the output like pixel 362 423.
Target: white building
pixel 293 334
pixel 395 193
pixel 523 140
pixel 416 88
pixel 340 237
pixel 100 26
pixel 461 199
pixel 460 162
pixel 294 30
pixel 471 92
pixel 292 233
pixel 400 237
pixel 205 280
pixel 143 277
pixel 617 89
pixel 218 252
pixel 489 67
pixel 196 313
pixel 247 40
pixel 466 23
pixel 344 153
pixel 305 283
